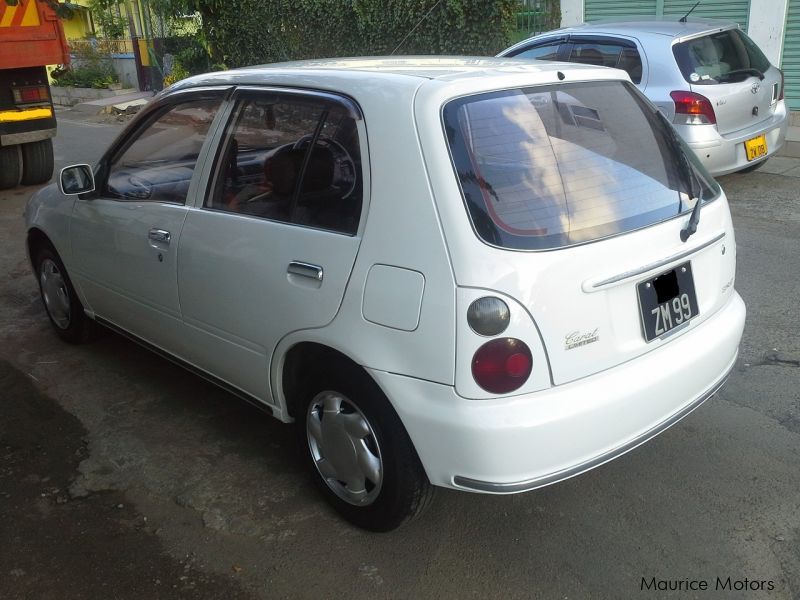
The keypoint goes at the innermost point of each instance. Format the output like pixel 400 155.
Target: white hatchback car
pixel 471 273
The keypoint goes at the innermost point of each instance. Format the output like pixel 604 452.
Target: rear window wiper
pixel 748 71
pixel 687 174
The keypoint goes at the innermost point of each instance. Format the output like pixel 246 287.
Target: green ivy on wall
pixel 246 32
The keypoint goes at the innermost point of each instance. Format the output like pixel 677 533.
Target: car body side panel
pixel 402 230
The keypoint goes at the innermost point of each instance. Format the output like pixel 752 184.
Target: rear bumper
pixel 723 154
pixel 25 126
pixel 520 443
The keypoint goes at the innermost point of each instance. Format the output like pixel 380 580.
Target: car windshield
pixel 722 57
pixel 552 166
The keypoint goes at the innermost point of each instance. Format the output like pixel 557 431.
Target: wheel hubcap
pixel 344 448
pixel 54 293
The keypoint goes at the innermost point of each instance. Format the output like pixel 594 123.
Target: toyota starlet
pixel 479 274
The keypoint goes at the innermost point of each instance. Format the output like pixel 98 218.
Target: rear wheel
pixel 60 300
pixel 37 162
pixel 360 455
pixel 10 166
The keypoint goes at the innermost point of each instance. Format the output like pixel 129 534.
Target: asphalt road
pixel 123 476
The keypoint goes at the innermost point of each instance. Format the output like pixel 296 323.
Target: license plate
pixel 667 301
pixel 756 148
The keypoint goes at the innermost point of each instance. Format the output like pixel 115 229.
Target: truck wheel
pixel 10 166
pixel 37 162
pixel 358 450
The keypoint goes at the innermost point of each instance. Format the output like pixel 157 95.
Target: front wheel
pixel 360 455
pixel 60 300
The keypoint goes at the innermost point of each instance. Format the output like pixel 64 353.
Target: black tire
pixel 404 490
pixel 754 167
pixel 61 303
pixel 10 167
pixel 37 162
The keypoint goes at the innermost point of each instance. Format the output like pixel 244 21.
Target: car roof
pixel 666 26
pixel 411 70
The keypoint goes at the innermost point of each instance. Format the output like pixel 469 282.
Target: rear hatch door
pixel 731 71
pixel 579 192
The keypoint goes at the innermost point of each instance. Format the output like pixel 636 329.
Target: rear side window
pixel 552 166
pixel 608 54
pixel 724 57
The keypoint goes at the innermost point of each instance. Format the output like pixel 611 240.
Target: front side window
pixel 723 57
pixel 552 166
pixel 158 164
pixel 291 158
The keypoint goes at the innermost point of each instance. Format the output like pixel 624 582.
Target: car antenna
pixel 691 10
pixel 413 29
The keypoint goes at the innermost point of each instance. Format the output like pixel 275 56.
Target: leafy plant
pixel 108 18
pixel 91 68
pixel 246 32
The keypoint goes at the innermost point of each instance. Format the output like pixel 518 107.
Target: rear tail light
pixel 502 365
pixel 692 109
pixel 783 80
pixel 31 95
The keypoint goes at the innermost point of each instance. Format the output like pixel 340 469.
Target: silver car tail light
pixel 692 109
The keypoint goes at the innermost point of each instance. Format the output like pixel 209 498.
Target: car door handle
pixel 305 270
pixel 160 235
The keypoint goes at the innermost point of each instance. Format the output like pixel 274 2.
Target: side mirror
pixel 77 179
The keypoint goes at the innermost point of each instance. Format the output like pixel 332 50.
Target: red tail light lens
pixel 692 109
pixel 29 95
pixel 780 92
pixel 502 365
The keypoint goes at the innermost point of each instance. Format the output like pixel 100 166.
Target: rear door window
pixel 552 166
pixel 293 158
pixel 723 57
pixel 618 54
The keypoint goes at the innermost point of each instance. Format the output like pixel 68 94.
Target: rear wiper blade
pixel 747 71
pixel 694 219
pixel 688 175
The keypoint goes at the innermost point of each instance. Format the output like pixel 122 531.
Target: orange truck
pixel 31 36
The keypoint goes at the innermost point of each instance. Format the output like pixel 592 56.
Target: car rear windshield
pixel 722 57
pixel 552 166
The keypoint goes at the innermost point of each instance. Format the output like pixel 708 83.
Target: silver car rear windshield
pixel 724 57
pixel 553 166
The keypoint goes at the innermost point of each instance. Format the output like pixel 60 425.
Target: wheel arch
pixel 304 357
pixel 36 240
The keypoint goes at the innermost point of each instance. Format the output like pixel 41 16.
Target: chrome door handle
pixel 160 235
pixel 305 270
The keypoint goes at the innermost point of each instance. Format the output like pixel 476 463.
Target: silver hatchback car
pixel 708 78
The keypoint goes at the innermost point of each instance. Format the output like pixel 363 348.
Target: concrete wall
pixel 767 25
pixel 571 12
pixel 70 96
pixel 125 68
